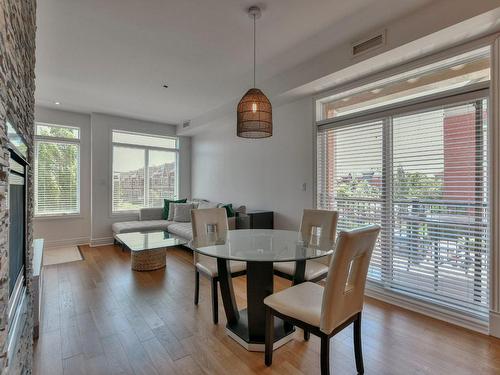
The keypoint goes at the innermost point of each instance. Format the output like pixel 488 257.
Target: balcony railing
pixel 426 247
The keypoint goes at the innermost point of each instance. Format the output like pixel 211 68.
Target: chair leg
pixel 196 286
pixel 325 355
pixel 269 339
pixel 358 353
pixel 307 335
pixel 215 303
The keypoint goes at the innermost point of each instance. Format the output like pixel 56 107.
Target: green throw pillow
pixel 229 210
pixel 166 206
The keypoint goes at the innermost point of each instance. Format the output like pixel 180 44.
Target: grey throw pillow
pixel 195 204
pixel 182 212
pixel 241 210
pixel 171 209
pixel 208 205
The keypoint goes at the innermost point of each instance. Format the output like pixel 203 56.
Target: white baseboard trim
pixel 66 242
pixel 427 309
pixel 495 324
pixel 94 242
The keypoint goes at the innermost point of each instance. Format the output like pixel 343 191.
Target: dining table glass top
pixel 262 245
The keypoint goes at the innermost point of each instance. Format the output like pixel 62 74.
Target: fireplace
pixel 17 222
pixel 17 208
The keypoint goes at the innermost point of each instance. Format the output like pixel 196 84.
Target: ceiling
pixel 114 56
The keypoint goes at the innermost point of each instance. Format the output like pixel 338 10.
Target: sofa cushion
pixel 137 226
pixel 151 213
pixel 198 200
pixel 182 211
pixel 166 207
pixel 240 210
pixel 207 204
pixel 231 223
pixel 183 230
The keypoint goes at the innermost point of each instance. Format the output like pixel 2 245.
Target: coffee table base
pixel 148 260
pixel 239 332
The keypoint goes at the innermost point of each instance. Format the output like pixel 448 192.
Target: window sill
pixel 58 217
pixel 129 212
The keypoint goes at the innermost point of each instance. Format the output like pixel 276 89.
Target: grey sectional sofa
pixel 150 219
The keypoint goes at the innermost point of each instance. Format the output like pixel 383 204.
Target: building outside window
pixel 57 170
pixel 145 170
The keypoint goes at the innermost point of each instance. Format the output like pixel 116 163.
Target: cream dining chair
pixel 205 221
pixel 312 221
pixel 326 311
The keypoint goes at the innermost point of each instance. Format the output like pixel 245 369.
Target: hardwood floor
pixel 99 317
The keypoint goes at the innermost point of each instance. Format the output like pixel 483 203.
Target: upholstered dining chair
pixel 313 221
pixel 204 222
pixel 325 311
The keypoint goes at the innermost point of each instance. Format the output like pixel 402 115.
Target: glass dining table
pixel 259 248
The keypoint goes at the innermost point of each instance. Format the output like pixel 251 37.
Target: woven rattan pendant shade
pixel 254 112
pixel 255 115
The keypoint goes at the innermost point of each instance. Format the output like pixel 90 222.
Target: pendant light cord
pixel 254 50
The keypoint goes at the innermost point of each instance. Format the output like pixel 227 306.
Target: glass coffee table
pixel 148 250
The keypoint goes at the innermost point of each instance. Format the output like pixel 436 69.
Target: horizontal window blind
pixel 423 177
pixel 143 176
pixel 57 167
pixel 162 177
pixel 129 165
pixel 350 168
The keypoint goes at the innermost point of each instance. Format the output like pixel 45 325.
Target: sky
pixel 128 159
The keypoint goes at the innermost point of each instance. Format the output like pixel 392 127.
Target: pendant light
pixel 255 114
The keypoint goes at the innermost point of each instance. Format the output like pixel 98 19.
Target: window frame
pixel 146 149
pixel 58 140
pixel 389 201
pixel 462 94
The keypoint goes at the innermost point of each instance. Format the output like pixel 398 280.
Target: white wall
pixel 260 173
pixel 69 230
pixel 93 225
pixel 102 125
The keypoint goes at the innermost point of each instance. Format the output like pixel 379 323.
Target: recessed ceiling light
pixel 376 91
pixel 413 80
pixel 57 103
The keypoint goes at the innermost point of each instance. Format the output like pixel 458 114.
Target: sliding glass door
pixel 420 173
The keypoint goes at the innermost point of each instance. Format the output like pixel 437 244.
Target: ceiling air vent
pixel 371 43
pixel 185 124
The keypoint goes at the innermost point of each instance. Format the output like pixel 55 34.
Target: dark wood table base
pixel 247 326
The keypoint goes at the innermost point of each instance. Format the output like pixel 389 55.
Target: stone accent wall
pixel 17 88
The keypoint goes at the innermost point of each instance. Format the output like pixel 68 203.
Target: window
pixel 419 171
pixel 144 170
pixel 454 73
pixel 57 170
